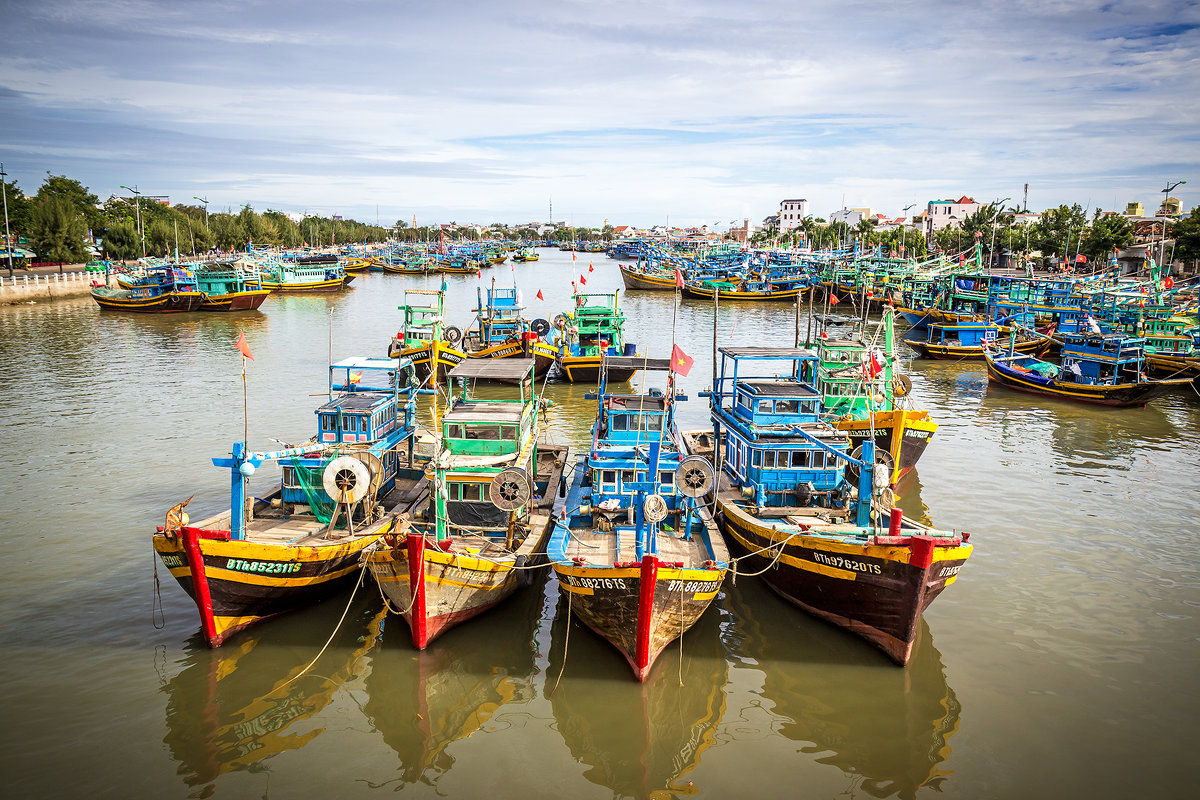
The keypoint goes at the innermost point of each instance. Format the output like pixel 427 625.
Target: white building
pixel 948 214
pixel 851 216
pixel 791 214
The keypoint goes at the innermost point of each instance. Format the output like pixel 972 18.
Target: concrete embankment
pixel 38 287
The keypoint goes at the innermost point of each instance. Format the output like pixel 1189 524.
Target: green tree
pixel 1107 232
pixel 20 209
pixel 121 241
pixel 1187 236
pixel 56 231
pixel 160 238
pixel 1058 229
pixel 76 195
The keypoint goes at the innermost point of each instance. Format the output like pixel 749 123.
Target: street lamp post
pixel 7 241
pixel 137 200
pixel 992 246
pixel 205 201
pixel 904 226
pixel 1162 241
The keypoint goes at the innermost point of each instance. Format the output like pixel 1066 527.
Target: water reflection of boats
pixel 422 701
pixel 232 708
pixel 888 729
pixel 638 739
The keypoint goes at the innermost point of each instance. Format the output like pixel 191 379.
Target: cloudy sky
pixel 636 112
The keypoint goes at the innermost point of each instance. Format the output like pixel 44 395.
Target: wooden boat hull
pixel 447 358
pixel 169 303
pixel 640 608
pixel 543 354
pixel 1173 363
pixel 706 293
pixel 876 591
pixel 945 352
pixel 903 433
pixel 330 285
pixel 451 587
pixel 586 369
pixel 235 301
pixel 237 584
pixel 637 279
pixel 1123 395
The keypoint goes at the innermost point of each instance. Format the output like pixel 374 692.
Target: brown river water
pixel 1061 664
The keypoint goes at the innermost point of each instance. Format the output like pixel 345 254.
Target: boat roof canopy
pixel 768 352
pixel 485 411
pixel 494 369
pixel 781 388
pixel 644 364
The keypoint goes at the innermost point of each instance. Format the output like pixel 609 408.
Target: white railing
pixel 26 281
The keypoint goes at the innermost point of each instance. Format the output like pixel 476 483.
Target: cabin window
pixel 289 478
pixel 650 422
pixel 666 479
pixel 808 407
pixel 328 422
pixel 764 405
pixel 468 492
pixel 620 422
pixel 608 480
pixel 818 459
pixel 489 433
pixel 787 406
pixel 454 431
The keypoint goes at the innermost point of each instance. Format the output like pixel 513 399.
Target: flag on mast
pixel 243 347
pixel 681 362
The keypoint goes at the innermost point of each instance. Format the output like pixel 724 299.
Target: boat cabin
pixel 596 326
pixel 364 409
pixel 962 334
pixel 777 447
pixel 160 280
pixel 1102 359
pixel 420 319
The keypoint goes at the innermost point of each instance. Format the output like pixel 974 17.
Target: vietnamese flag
pixel 539 295
pixel 591 268
pixel 1080 258
pixel 681 362
pixel 833 299
pixel 243 347
pixel 582 280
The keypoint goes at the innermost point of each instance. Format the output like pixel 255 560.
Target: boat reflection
pixel 423 701
pixel 908 497
pixel 234 707
pixel 638 739
pixel 887 729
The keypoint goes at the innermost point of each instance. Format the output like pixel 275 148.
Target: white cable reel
pixel 694 476
pixel 346 480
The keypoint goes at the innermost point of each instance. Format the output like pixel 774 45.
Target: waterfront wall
pixel 36 288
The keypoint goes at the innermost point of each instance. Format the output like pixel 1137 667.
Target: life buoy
pixel 540 326
pixel 452 334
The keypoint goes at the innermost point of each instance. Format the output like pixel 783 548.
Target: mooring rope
pixel 335 630
pixel 566 641
pixel 156 599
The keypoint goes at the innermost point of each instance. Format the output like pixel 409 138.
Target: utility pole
pixel 205 201
pixel 7 241
pixel 1162 242
pixel 137 200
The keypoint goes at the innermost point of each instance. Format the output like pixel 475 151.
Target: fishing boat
pixel 864 395
pixel 526 255
pixel 500 330
pixel 637 554
pixel 812 513
pixel 745 289
pixel 489 512
pixel 592 330
pixel 966 340
pixel 302 541
pixel 161 289
pixel 1100 369
pixel 421 339
pixel 227 288
pixel 320 273
pixel 644 276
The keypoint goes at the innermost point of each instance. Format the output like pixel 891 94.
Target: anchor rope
pixel 335 630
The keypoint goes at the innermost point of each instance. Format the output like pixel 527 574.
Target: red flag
pixel 582 281
pixel 1080 259
pixel 539 295
pixel 833 299
pixel 591 268
pixel 478 273
pixel 681 362
pixel 241 345
pixel 678 278
pixel 573 256
pixel 872 364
